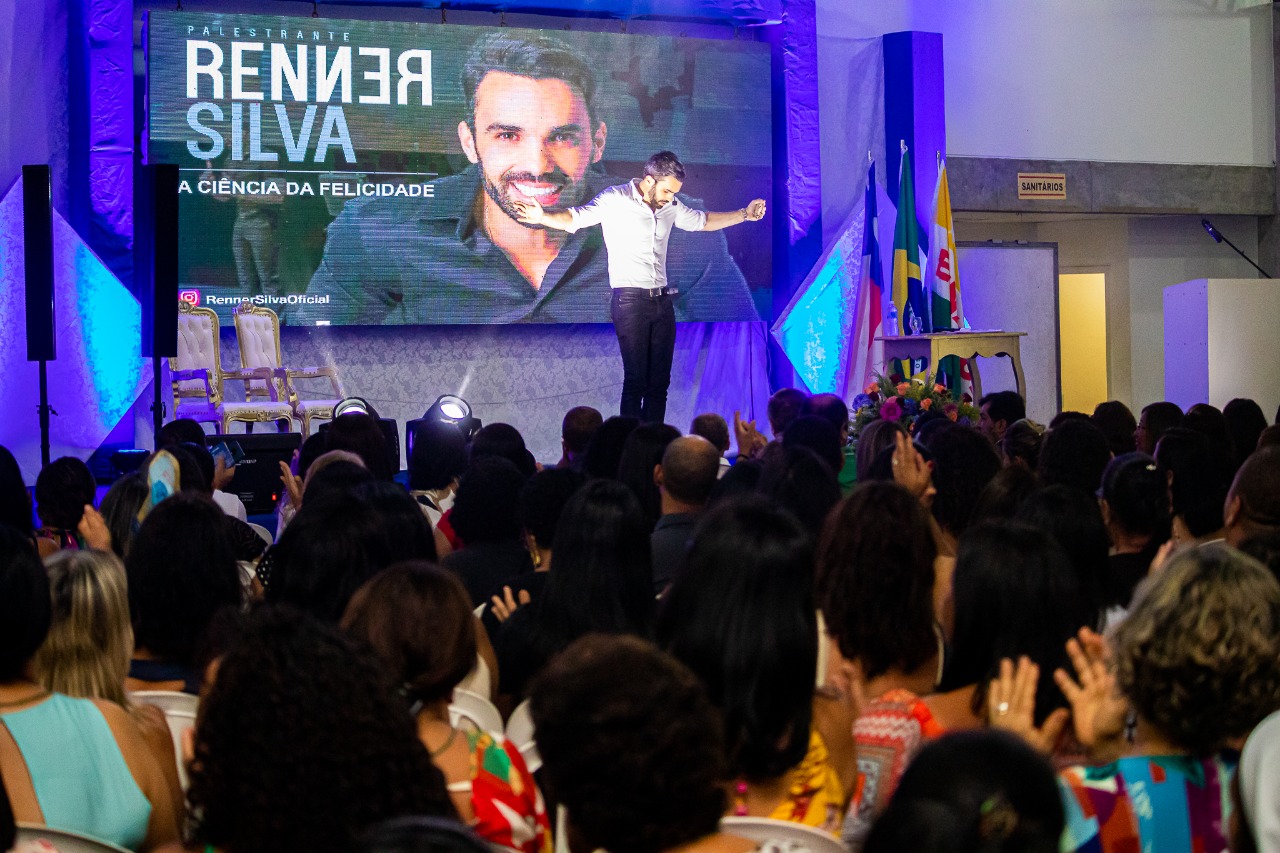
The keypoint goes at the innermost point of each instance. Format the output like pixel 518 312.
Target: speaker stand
pixel 45 411
pixel 157 398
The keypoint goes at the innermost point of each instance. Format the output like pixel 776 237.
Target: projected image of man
pixel 533 132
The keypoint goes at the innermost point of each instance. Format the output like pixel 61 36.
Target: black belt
pixel 651 292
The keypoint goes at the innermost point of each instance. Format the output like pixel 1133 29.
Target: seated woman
pixel 181 570
pixel 876 586
pixel 302 743
pixel 741 616
pixel 76 764
pixel 1134 500
pixel 63 488
pixel 417 620
pixel 634 751
pixel 90 644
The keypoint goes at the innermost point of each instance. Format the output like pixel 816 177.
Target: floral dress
pixel 509 809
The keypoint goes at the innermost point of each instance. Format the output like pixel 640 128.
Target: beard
pixel 566 191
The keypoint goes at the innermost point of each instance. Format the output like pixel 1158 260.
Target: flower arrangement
pixel 905 402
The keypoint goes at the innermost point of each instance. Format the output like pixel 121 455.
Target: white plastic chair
pixel 520 732
pixel 179 712
pixel 263 533
pixel 474 709
pixel 768 829
pixel 479 680
pixel 64 840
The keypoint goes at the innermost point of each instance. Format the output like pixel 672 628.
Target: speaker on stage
pixel 155 256
pixel 257 479
pixel 37 257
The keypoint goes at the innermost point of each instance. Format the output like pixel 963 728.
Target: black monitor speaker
pixel 155 256
pixel 257 480
pixel 37 258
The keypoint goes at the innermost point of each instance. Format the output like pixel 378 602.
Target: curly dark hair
pixel 302 743
pixel 630 745
pixel 1199 654
pixel 182 570
pixel 875 579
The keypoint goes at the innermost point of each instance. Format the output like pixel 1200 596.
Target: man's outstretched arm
pixel 753 212
pixel 532 213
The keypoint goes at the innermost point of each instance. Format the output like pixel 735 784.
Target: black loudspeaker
pixel 37 257
pixel 155 256
pixel 257 481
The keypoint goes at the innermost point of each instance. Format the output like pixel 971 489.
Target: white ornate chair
pixel 198 378
pixel 258 333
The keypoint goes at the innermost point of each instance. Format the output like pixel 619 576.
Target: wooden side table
pixel 967 345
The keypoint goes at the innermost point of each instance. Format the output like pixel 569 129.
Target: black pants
pixel 646 327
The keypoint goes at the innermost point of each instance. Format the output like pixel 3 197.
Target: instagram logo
pixel 191 297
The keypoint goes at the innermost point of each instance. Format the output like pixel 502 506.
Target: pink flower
pixel 952 411
pixel 891 410
pixel 926 404
pixel 939 389
pixel 902 389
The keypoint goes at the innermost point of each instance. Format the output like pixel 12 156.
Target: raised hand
pixel 911 471
pixel 755 210
pixel 530 212
pixel 1098 709
pixel 292 484
pixel 750 441
pixel 93 530
pixel 506 604
pixel 1011 705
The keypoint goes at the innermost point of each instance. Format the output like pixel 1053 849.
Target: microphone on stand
pixel 1219 238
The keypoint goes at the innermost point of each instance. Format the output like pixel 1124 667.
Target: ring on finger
pixel 1002 708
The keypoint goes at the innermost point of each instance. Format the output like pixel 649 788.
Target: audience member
pixel 120 510
pixel 784 406
pixel 436 463
pixel 742 479
pixel 197 470
pixel 685 479
pixel 361 434
pixel 1074 455
pixel 1245 423
pixel 799 481
pixel 875 437
pixel 576 431
pixel 1257 824
pixel 77 764
pixel 15 501
pixel 486 516
pixel 1118 424
pixel 64 488
pixel 1005 493
pixel 1074 521
pixel 1155 420
pixel 816 434
pixel 506 442
pixel 633 750
pixel 180 431
pixel 973 792
pixel 1134 500
pixel 416 618
pixel 714 429
pixel 418 834
pixel 1253 502
pixel 87 651
pixel 1197 483
pixel 964 461
pixel 1208 420
pixel 302 743
pixel 742 617
pixel 998 410
pixel 1021 444
pixel 1270 437
pixel 876 587
pixel 602 583
pixel 604 451
pixel 831 409
pixel 181 570
pixel 641 456
pixel 1062 417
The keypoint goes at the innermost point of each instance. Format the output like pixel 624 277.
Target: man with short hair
pixel 532 132
pixel 714 429
pixel 1155 420
pixel 579 425
pixel 637 219
pixel 1253 502
pixel 685 477
pixel 998 410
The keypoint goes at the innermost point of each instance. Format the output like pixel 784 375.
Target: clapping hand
pixel 1098 709
pixel 750 441
pixel 755 210
pixel 93 530
pixel 1011 705
pixel 911 471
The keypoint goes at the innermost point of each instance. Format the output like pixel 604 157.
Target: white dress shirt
pixel 635 234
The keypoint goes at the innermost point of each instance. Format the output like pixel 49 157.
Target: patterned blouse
pixel 1165 803
pixel 509 810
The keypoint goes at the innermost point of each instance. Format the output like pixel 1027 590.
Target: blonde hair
pixel 90 641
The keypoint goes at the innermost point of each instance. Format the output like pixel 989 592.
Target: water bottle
pixel 893 319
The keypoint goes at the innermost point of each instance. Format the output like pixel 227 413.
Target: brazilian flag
pixel 908 292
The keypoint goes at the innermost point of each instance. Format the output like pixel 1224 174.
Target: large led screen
pixel 366 172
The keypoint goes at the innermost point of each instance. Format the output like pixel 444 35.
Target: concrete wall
pixel 1165 81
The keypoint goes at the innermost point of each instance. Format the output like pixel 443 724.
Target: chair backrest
pixel 474 709
pixel 768 829
pixel 197 349
pixel 179 713
pixel 520 732
pixel 63 840
pixel 258 336
pixel 263 533
pixel 479 680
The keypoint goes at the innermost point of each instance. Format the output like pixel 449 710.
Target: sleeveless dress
pixel 80 777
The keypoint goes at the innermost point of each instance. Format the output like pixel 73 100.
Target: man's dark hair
pixel 829 407
pixel 713 428
pixel 1007 406
pixel 664 164
pixel 505 441
pixel 63 487
pixel 180 431
pixel 784 407
pixel 1257 485
pixel 1157 419
pixel 538 57
pixel 579 425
